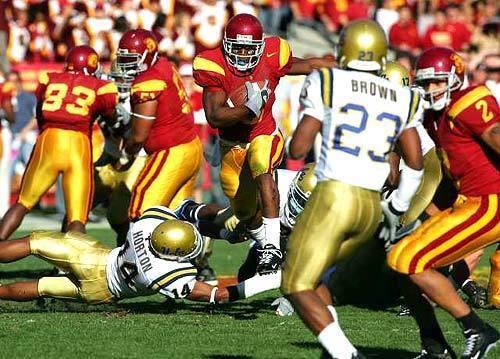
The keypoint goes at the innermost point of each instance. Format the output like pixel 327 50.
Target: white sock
pixel 335 342
pixel 334 313
pixel 259 235
pixel 272 226
pixel 258 284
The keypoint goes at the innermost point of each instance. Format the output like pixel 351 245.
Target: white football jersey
pixel 133 270
pixel 362 115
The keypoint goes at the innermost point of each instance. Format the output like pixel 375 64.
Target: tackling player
pixel 360 116
pixel 162 123
pixel 468 132
pixel 251 143
pixel 68 103
pixel 154 259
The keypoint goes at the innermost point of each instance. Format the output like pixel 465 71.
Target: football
pixel 239 95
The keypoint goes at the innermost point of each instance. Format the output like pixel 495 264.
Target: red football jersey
pixel 212 72
pixel 174 123
pixel 72 101
pixel 471 163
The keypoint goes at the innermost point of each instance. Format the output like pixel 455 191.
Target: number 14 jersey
pixel 362 115
pixel 133 270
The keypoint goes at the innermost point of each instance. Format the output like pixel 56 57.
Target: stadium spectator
pixel 461 34
pixel 438 34
pixel 403 35
pixel 209 21
pixel 5 16
pixel 19 37
pixel 272 14
pixel 387 15
pixel 41 46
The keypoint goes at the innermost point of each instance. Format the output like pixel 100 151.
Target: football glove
pixel 283 307
pixel 256 96
pixel 391 222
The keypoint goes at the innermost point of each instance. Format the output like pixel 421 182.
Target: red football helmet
pixel 137 51
pixel 82 59
pixel 243 42
pixel 438 64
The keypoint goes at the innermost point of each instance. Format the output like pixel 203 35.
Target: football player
pixel 68 103
pixel 468 133
pixel 162 123
pixel 251 144
pixel 113 188
pixel 360 115
pixel 154 259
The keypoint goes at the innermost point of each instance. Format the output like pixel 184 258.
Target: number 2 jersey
pixel 72 101
pixel 362 115
pixel 133 270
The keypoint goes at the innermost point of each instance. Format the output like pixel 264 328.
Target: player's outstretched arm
pixel 219 115
pixel 491 136
pixel 20 291
pixel 303 137
pixel 203 292
pixel 306 66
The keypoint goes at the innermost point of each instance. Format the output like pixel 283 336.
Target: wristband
pixel 212 294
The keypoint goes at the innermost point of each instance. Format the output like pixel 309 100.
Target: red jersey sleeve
pixel 145 89
pixel 43 81
pixel 279 54
pixel 476 110
pixel 106 97
pixel 207 73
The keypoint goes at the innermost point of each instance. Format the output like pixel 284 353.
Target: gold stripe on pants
pixel 337 219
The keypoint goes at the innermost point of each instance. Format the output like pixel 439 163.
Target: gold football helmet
pixel 362 46
pixel 176 240
pixel 396 73
pixel 299 192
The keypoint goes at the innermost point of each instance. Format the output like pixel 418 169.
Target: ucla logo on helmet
pixel 459 64
pixel 92 60
pixel 150 44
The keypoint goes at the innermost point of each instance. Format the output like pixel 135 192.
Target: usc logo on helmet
pixel 459 64
pixel 150 44
pixel 92 60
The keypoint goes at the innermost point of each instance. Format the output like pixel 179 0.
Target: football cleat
pixel 477 295
pixel 188 210
pixel 478 344
pixel 403 311
pixel 269 259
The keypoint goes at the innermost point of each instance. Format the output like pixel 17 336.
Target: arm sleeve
pixel 416 109
pixel 179 288
pixel 480 115
pixel 43 81
pixel 146 90
pixel 285 57
pixel 311 102
pixel 107 96
pixel 207 74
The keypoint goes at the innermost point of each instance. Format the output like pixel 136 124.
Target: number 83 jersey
pixel 133 270
pixel 362 115
pixel 72 101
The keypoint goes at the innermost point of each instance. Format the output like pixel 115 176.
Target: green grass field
pixel 152 328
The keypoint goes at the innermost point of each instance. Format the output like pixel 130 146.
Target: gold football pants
pixel 79 254
pixel 472 223
pixel 167 178
pixel 117 187
pixel 69 153
pixel 428 185
pixel 338 218
pixel 241 163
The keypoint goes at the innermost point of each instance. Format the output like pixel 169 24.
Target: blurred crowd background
pixel 35 35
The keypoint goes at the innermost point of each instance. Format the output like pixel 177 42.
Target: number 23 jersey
pixel 133 270
pixel 362 115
